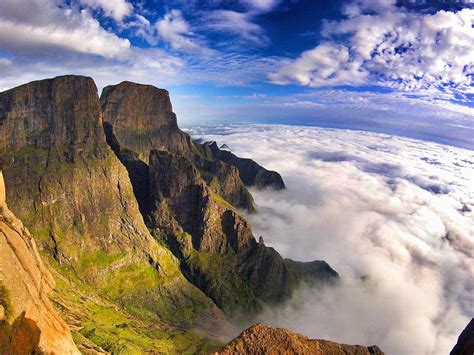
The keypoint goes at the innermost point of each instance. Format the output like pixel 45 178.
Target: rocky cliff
pixel 85 175
pixel 465 343
pixel 262 339
pixel 187 194
pixel 139 118
pixel 28 321
pixel 72 192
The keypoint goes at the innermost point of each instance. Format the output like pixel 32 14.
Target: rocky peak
pixel 251 173
pixel 61 113
pixel 263 339
pixel 137 107
pixel 140 117
pixel 176 187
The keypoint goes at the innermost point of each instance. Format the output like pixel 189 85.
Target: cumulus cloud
pixel 392 215
pixel 380 43
pixel 117 9
pixel 42 25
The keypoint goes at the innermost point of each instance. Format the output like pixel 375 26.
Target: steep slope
pixel 187 193
pixel 28 321
pixel 262 339
pixel 215 243
pixel 139 118
pixel 251 173
pixel 465 343
pixel 72 192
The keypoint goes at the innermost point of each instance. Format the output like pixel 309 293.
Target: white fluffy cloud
pixel 380 43
pixel 392 215
pixel 117 9
pixel 42 25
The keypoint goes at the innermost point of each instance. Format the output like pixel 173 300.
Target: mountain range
pixel 122 234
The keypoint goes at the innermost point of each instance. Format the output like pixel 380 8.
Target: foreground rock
pixel 263 339
pixel 28 321
pixel 465 344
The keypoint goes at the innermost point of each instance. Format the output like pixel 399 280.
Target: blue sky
pixel 403 67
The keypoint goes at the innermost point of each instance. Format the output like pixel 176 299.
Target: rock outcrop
pixel 465 343
pixel 263 339
pixel 251 173
pixel 215 244
pixel 75 196
pixel 139 118
pixel 28 321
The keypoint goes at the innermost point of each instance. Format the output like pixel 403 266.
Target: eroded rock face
pixel 215 244
pixel 142 119
pixel 139 118
pixel 263 339
pixel 28 321
pixel 75 196
pixel 251 173
pixel 465 343
pixel 177 188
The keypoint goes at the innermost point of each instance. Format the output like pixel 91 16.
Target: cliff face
pixel 215 244
pixel 28 321
pixel 75 181
pixel 72 192
pixel 465 343
pixel 251 173
pixel 142 119
pixel 262 339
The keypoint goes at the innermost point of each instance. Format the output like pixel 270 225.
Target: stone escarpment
pixel 188 192
pixel 139 118
pixel 75 196
pixel 136 221
pixel 28 321
pixel 465 343
pixel 262 339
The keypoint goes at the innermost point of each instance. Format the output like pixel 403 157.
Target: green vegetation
pixel 223 203
pixel 223 282
pixel 116 328
pixel 6 304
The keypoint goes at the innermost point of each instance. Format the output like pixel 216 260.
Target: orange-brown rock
pixel 28 321
pixel 263 339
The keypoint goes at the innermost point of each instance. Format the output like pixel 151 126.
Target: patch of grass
pixel 5 303
pixel 222 202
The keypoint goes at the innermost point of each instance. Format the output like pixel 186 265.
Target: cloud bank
pixel 384 44
pixel 392 215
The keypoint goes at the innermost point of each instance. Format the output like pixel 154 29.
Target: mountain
pixel 71 191
pixel 28 321
pixel 263 339
pixel 140 227
pixel 465 343
pixel 188 192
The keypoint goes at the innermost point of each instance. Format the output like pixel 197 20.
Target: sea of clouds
pixel 392 215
